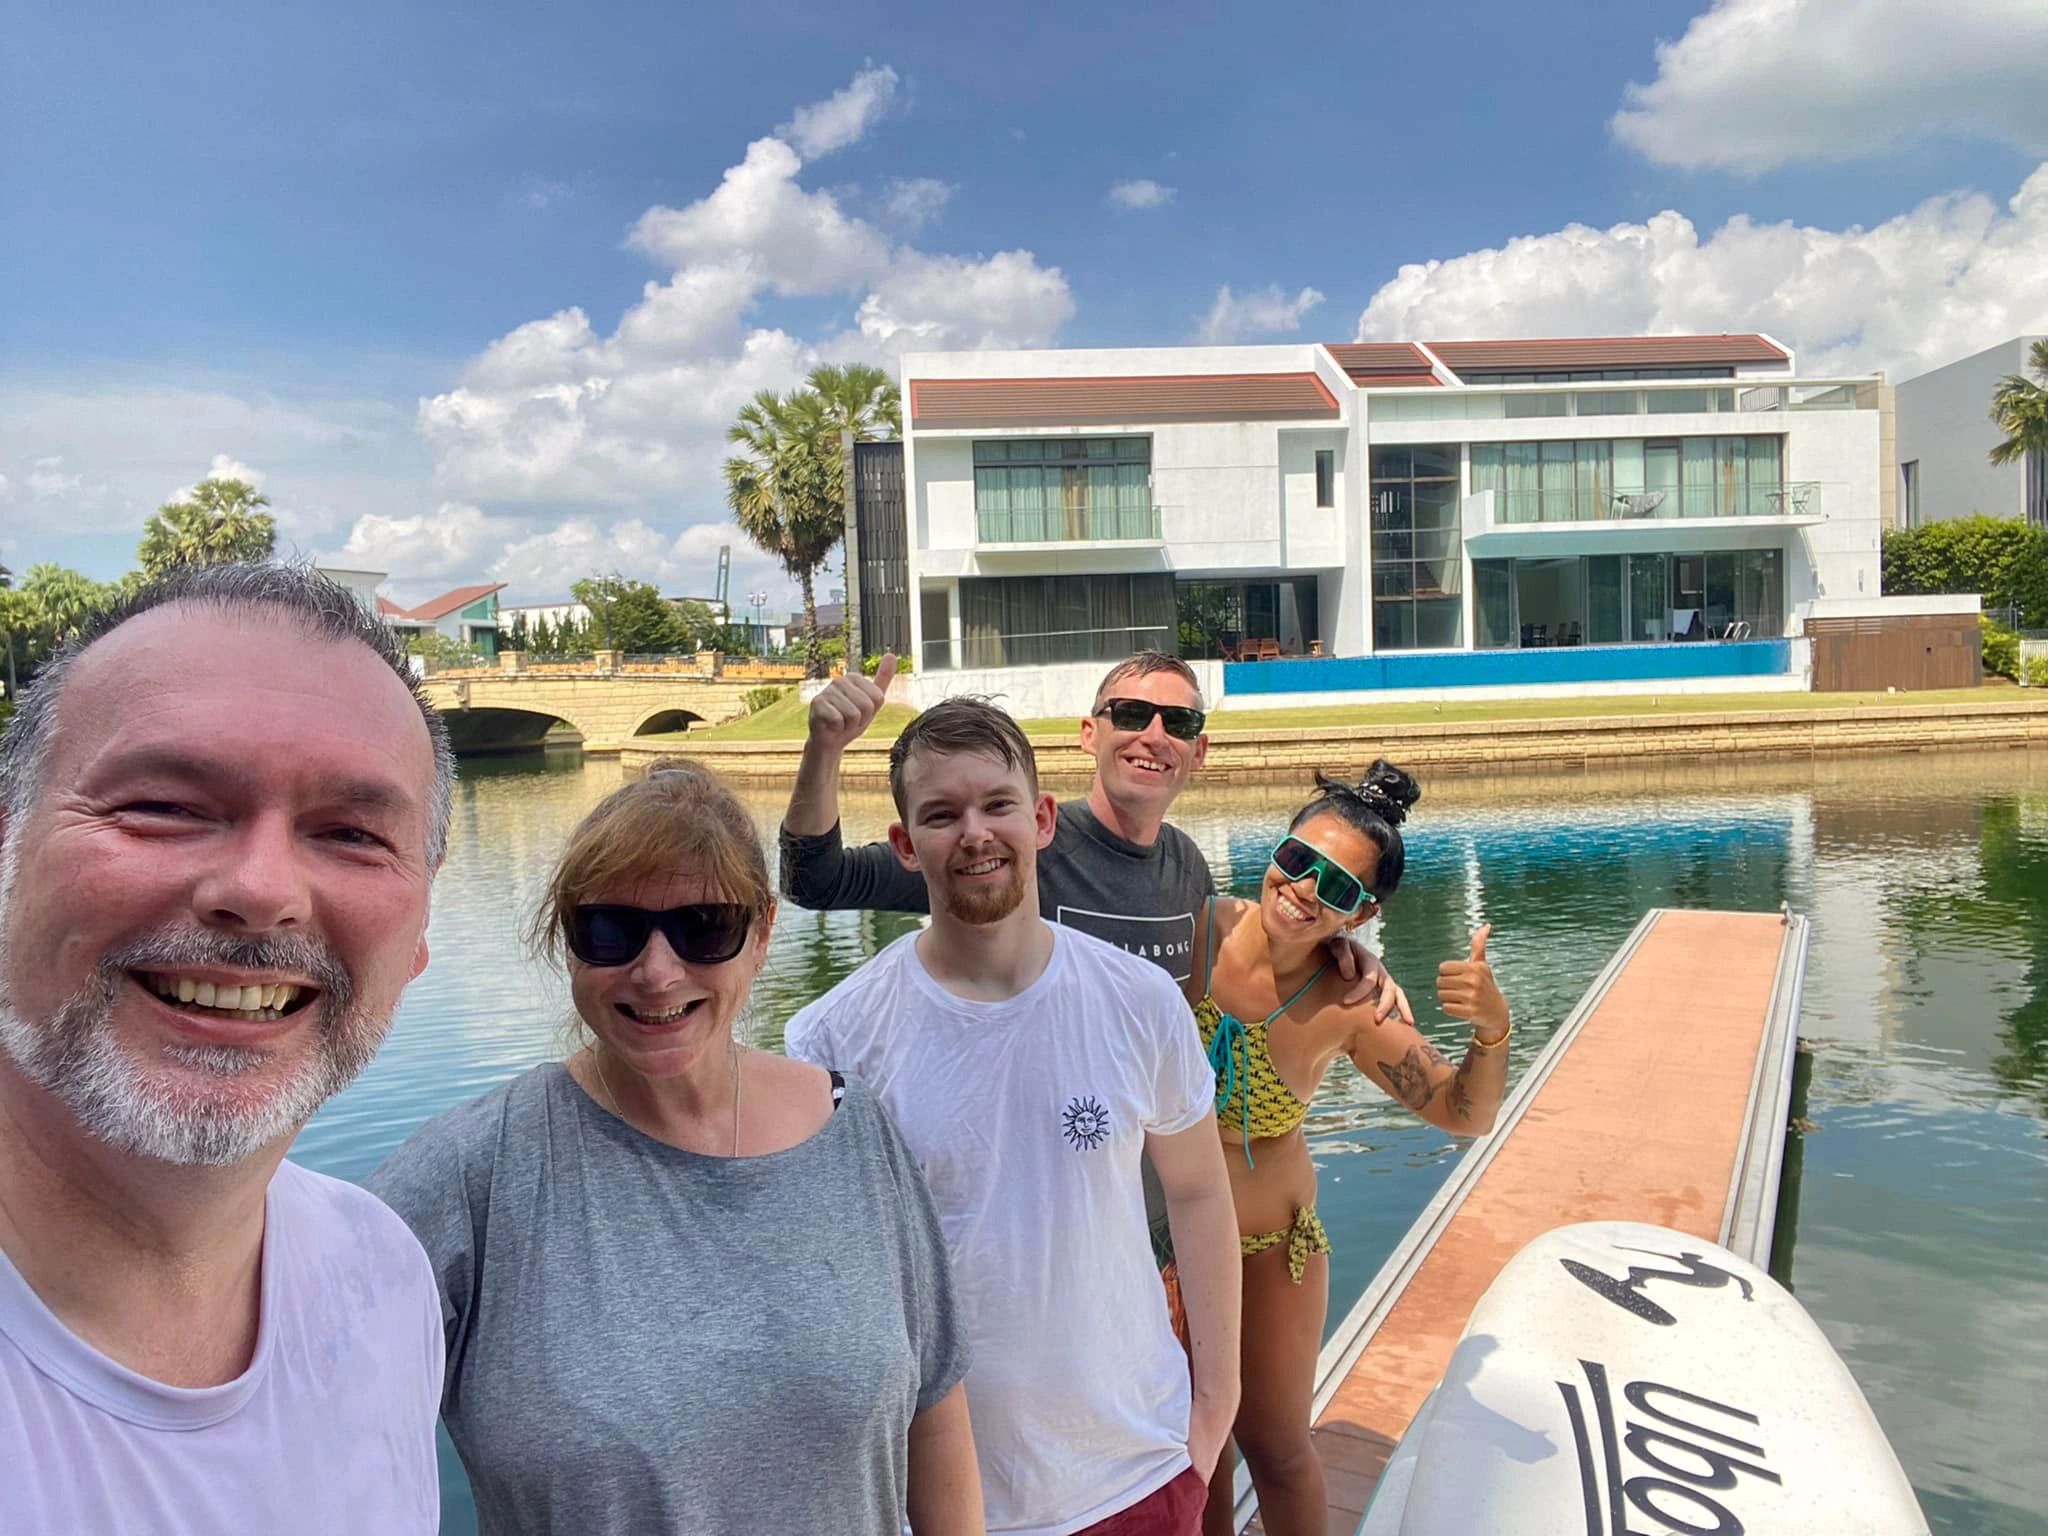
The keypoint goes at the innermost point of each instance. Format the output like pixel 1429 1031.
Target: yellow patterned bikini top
pixel 1251 1097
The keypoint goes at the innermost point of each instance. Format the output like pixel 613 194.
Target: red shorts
pixel 1175 1510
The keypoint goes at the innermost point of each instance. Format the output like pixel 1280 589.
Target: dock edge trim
pixel 1749 1217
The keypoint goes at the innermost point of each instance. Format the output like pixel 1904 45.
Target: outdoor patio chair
pixel 1226 650
pixel 1269 650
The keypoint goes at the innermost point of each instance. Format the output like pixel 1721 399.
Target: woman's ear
pixel 1362 916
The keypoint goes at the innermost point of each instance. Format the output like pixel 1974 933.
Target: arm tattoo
pixel 1409 1077
pixel 1459 1100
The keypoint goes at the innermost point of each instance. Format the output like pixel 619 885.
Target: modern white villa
pixel 1649 511
pixel 1945 442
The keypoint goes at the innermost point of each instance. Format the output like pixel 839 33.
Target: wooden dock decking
pixel 1662 1098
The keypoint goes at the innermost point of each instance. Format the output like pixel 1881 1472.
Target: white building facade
pixel 1493 514
pixel 1945 438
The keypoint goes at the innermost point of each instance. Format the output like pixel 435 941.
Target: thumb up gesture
pixel 847 706
pixel 1466 990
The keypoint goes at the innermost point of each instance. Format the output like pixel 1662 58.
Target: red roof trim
pixel 1098 399
pixel 1533 353
pixel 1397 380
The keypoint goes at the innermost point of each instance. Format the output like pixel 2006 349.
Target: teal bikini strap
pixel 1300 992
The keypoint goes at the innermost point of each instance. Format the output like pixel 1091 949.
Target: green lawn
pixel 784 720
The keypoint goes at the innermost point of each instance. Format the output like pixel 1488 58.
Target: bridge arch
pixel 497 729
pixel 661 721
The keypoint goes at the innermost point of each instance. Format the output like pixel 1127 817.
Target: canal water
pixel 1919 1235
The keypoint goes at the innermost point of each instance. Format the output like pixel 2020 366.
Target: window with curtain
pixel 1031 490
pixel 1595 478
pixel 1326 477
pixel 1012 621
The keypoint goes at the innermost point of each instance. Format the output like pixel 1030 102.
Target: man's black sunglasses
pixel 1181 722
pixel 703 933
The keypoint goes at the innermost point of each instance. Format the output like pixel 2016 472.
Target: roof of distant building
pixel 937 403
pixel 449 602
pixel 390 610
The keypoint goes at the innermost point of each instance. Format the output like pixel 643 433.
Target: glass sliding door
pixel 1417 555
pixel 1493 607
pixel 1606 623
pixel 1648 613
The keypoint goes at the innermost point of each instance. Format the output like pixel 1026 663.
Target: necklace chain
pixel 612 1099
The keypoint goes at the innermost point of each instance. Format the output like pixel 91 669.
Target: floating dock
pixel 1662 1098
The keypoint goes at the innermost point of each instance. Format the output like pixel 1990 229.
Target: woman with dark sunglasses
pixel 1272 1016
pixel 687 1287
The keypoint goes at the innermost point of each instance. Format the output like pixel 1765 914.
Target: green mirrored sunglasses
pixel 1336 887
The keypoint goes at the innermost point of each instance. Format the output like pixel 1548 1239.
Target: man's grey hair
pixel 298 594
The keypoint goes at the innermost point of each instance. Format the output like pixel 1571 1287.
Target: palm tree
pixel 2019 408
pixel 784 491
pixel 220 520
pixel 858 398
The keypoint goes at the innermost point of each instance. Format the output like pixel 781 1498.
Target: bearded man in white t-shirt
pixel 1029 1067
pixel 222 804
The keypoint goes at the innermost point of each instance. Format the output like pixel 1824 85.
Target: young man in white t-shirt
pixel 1029 1067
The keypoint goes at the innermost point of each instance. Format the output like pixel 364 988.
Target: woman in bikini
pixel 1270 1012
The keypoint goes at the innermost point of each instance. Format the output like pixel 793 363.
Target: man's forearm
pixel 1211 1272
pixel 814 801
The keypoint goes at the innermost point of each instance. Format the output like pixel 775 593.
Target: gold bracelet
pixel 1494 1045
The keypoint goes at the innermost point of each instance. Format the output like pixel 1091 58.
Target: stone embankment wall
pixel 1495 747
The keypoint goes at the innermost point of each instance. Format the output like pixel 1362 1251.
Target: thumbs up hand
pixel 847 706
pixel 1466 990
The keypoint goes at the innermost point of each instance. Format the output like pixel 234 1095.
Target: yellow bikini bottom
pixel 1305 1236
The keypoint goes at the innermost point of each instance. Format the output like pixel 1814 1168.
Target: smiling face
pixel 972 825
pixel 1290 911
pixel 660 1014
pixel 212 907
pixel 1142 771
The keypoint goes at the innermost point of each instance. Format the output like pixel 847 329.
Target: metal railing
pixel 1066 525
pixel 1789 498
pixel 1658 397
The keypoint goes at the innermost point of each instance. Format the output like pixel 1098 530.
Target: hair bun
pixel 1389 790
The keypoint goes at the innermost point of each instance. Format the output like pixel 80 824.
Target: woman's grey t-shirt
pixel 644 1340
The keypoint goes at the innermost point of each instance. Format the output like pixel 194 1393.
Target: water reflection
pixel 1923 1227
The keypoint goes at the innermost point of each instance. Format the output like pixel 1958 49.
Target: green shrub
pixel 873 664
pixel 2005 560
pixel 758 699
pixel 2037 672
pixel 2001 649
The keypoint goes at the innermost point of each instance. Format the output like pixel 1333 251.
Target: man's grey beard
pixel 978 906
pixel 120 1101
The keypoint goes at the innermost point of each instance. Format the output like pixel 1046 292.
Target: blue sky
pixel 349 251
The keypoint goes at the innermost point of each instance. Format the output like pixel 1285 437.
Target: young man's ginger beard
pixel 75 1056
pixel 982 904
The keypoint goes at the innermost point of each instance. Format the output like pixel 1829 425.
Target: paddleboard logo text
pixel 1627 1293
pixel 1674 1462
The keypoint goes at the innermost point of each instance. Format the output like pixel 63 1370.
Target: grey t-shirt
pixel 1141 898
pixel 644 1340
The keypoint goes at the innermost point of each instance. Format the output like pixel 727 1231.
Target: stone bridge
pixel 606 702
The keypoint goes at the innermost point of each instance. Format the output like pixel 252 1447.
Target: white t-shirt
pixel 329 1432
pixel 1028 1118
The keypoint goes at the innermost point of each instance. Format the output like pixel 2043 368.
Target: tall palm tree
pixel 2019 408
pixel 784 491
pixel 220 520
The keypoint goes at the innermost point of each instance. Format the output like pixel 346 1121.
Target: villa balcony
pixel 1790 499
pixel 1129 524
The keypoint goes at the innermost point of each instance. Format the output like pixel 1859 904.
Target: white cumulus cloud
pixel 224 467
pixel 844 116
pixel 1265 311
pixel 556 410
pixel 1947 278
pixel 449 541
pixel 1142 193
pixel 1756 84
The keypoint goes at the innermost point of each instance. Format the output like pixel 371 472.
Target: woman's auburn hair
pixel 679 819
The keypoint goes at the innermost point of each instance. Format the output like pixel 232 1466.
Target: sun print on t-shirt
pixel 1085 1123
